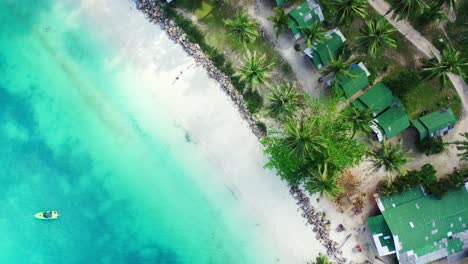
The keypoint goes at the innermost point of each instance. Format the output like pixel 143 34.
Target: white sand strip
pixel 214 123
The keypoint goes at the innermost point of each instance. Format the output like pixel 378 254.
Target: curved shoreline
pixel 313 217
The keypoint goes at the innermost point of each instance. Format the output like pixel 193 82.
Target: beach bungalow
pixel 436 124
pixel 352 84
pixel 419 228
pixel 378 99
pixel 322 53
pixel 391 122
pixel 306 14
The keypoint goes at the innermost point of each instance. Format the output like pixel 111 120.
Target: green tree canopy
pixel 324 181
pixel 280 20
pixel 378 33
pixel 255 71
pixel 345 10
pixel 321 137
pixel 451 62
pixel 391 156
pixel 360 120
pixel 313 34
pixel 241 29
pixel 321 259
pixel 284 101
pixel 407 8
pixel 462 145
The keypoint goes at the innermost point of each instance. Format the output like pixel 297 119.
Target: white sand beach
pixel 212 121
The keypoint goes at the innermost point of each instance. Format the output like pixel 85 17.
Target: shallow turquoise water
pixel 69 142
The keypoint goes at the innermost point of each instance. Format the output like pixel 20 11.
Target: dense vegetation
pixel 427 177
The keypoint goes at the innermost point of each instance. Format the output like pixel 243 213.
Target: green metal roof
pixel 430 124
pixel 323 50
pixel 352 85
pixel 381 233
pixel 304 15
pixel 378 98
pixel 398 199
pixel 426 224
pixel 394 120
pixel 280 2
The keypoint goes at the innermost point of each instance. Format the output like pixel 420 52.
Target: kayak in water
pixel 47 215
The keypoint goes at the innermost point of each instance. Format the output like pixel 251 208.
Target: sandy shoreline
pixel 214 124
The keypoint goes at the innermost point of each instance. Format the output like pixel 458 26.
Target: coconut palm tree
pixel 391 156
pixel 303 140
pixel 450 3
pixel 433 13
pixel 450 62
pixel 360 120
pixel 377 33
pixel 407 8
pixel 242 29
pixel 255 71
pixel 324 181
pixel 346 9
pixel 462 146
pixel 280 20
pixel 313 34
pixel 284 101
pixel 321 259
pixel 338 65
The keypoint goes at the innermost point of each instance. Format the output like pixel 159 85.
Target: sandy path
pixel 213 122
pixel 306 75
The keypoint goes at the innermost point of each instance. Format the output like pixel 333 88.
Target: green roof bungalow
pixel 391 122
pixel 322 53
pixel 352 84
pixel 419 228
pixel 306 14
pixel 436 124
pixel 378 98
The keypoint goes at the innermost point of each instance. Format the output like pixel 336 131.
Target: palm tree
pixel 377 33
pixel 338 65
pixel 360 120
pixel 324 181
pixel 392 157
pixel 321 259
pixel 242 29
pixel 284 101
pixel 303 140
pixel 463 146
pixel 433 13
pixel 451 62
pixel 406 8
pixel 313 34
pixel 451 3
pixel 255 71
pixel 346 9
pixel 280 20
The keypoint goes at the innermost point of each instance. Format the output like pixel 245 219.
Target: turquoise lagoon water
pixel 68 142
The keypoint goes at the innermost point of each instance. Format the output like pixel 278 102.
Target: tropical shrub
pixel 431 145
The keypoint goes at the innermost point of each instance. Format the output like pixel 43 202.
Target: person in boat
pixel 47 214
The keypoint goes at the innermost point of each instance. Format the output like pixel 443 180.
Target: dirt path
pixel 306 75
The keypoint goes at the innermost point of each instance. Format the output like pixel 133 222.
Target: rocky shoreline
pixel 319 222
pixel 321 226
pixel 154 14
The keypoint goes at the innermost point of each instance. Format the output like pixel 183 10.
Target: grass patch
pixel 421 96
